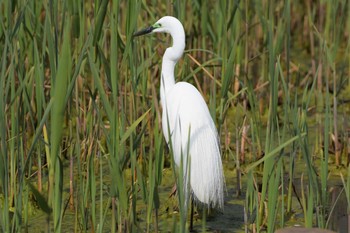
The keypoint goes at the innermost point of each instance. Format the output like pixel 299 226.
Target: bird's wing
pixel 187 116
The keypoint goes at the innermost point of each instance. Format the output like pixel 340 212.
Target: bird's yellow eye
pixel 157 25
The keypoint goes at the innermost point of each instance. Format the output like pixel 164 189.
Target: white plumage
pixel 185 110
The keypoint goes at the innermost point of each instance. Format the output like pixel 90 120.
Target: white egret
pixel 186 115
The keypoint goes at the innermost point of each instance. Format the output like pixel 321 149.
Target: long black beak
pixel 144 31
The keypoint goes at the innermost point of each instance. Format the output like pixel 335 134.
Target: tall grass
pixel 81 143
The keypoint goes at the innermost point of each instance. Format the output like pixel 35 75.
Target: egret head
pixel 173 26
pixel 167 24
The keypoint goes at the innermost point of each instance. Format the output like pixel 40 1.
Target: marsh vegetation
pixel 80 125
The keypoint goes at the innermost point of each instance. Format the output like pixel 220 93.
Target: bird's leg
pixel 204 218
pixel 191 218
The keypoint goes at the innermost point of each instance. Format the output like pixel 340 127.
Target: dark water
pixel 230 220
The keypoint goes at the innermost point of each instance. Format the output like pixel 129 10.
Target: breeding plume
pixel 187 123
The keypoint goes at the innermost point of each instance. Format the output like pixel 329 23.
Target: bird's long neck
pixel 170 58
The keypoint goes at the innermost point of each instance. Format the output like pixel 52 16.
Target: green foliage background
pixel 80 132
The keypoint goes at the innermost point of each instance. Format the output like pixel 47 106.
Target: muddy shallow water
pixel 230 220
